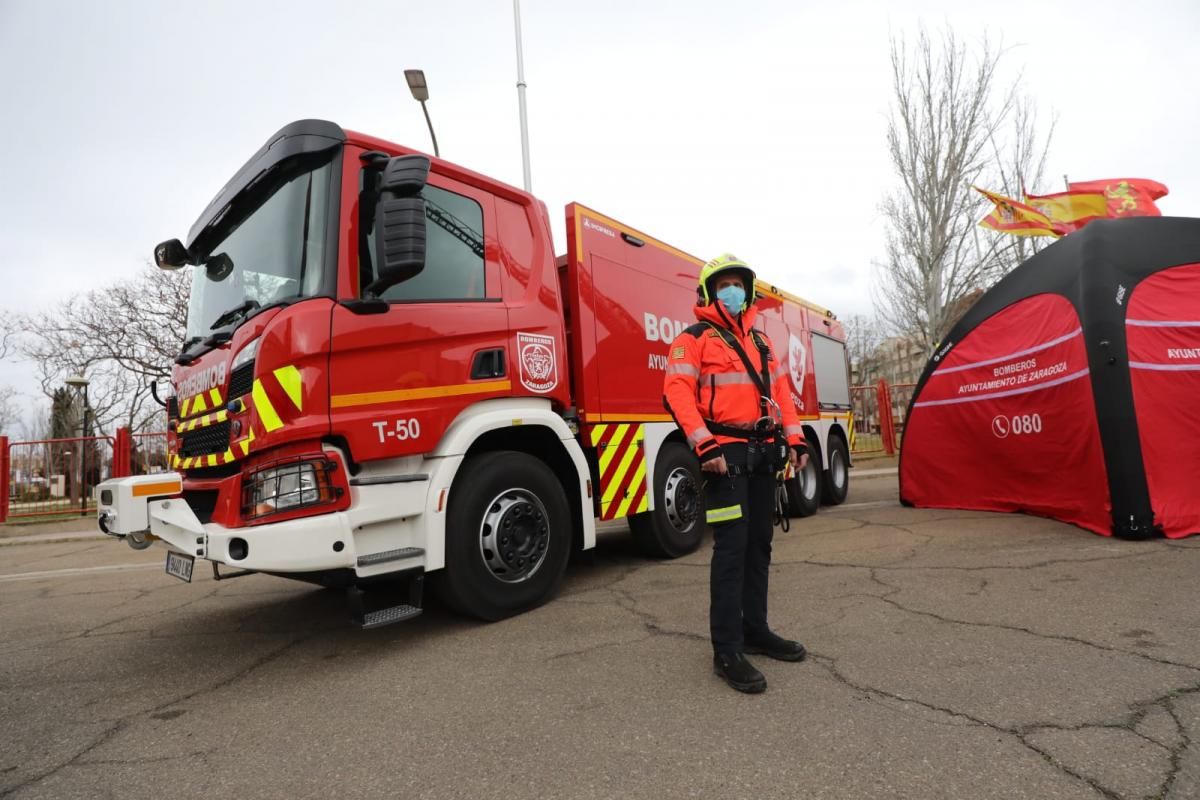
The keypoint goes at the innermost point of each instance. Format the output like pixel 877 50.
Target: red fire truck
pixel 387 374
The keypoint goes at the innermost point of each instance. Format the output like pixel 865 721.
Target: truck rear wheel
pixel 676 525
pixel 508 535
pixel 803 487
pixel 836 483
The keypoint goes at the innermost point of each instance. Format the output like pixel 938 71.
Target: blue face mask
pixel 733 298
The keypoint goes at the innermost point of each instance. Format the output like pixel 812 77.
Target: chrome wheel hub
pixel 514 536
pixel 681 500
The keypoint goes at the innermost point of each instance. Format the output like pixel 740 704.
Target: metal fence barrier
pixel 879 417
pixel 56 478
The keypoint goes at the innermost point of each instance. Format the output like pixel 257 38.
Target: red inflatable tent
pixel 1071 389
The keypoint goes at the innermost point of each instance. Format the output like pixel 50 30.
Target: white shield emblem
pixel 539 365
pixel 797 362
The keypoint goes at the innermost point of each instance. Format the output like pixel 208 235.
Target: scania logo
pixel 202 381
pixel 595 226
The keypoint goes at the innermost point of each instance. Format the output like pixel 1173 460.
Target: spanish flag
pixel 1070 211
pixel 1010 216
pixel 1127 197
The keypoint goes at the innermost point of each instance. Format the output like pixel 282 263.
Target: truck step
pixel 387 616
pixel 390 555
pixel 387 602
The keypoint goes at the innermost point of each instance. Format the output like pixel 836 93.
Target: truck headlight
pixel 290 486
pixel 245 355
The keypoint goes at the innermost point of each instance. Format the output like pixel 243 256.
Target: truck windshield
pixel 274 253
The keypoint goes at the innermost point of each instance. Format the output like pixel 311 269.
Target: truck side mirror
pixel 170 254
pixel 400 222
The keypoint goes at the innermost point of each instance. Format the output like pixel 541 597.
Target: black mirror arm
pixel 154 394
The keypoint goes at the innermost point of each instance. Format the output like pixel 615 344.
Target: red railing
pixel 148 453
pixel 879 417
pixel 53 478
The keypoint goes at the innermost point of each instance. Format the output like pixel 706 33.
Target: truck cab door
pixel 398 377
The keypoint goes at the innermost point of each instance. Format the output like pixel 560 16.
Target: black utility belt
pixel 766 450
pixel 750 434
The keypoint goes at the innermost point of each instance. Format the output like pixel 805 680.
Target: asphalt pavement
pixel 954 655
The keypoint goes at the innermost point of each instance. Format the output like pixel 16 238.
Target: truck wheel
pixel 836 482
pixel 676 525
pixel 508 535
pixel 803 488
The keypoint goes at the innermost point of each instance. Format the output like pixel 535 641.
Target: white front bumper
pixel 136 504
pixel 308 544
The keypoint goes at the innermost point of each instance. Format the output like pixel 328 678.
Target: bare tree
pixel 945 134
pixel 121 337
pixel 9 413
pixel 863 337
pixel 1018 166
pixel 9 326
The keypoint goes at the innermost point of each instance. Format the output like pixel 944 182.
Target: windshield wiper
pixel 232 314
pixel 184 356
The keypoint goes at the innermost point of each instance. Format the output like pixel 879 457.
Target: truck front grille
pixel 205 440
pixel 242 380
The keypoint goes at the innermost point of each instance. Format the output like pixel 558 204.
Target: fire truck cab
pixel 387 374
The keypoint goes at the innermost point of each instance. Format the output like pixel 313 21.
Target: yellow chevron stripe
pixel 215 396
pixel 614 444
pixel 245 443
pixel 183 407
pixel 198 404
pixel 289 379
pixel 598 434
pixel 212 460
pixel 629 451
pixel 203 422
pixel 228 456
pixel 266 411
pixel 639 476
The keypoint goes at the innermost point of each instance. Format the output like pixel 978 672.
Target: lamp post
pixel 420 93
pixel 80 383
pixel 521 97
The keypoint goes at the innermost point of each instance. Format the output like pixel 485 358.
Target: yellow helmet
pixel 725 262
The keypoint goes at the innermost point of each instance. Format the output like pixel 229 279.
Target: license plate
pixel 180 566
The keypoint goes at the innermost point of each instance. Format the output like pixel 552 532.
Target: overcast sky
pixel 756 127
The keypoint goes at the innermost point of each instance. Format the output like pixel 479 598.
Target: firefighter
pixel 742 425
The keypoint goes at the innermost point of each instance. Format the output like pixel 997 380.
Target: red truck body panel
pixel 629 295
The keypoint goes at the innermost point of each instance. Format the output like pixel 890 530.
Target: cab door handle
pixel 488 364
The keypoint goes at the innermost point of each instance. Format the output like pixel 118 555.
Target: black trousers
pixel 740 510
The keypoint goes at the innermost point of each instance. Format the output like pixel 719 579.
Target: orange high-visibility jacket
pixel 707 380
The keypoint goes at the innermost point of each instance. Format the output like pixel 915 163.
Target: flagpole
pixel 1066 183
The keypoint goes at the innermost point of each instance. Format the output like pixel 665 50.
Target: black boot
pixel 739 673
pixel 774 646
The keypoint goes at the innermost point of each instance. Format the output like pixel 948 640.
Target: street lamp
pixel 521 97
pixel 80 383
pixel 420 93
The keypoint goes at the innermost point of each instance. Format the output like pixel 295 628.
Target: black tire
pixel 835 483
pixel 492 493
pixel 676 525
pixel 803 490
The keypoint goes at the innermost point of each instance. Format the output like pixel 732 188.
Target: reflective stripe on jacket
pixel 706 379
